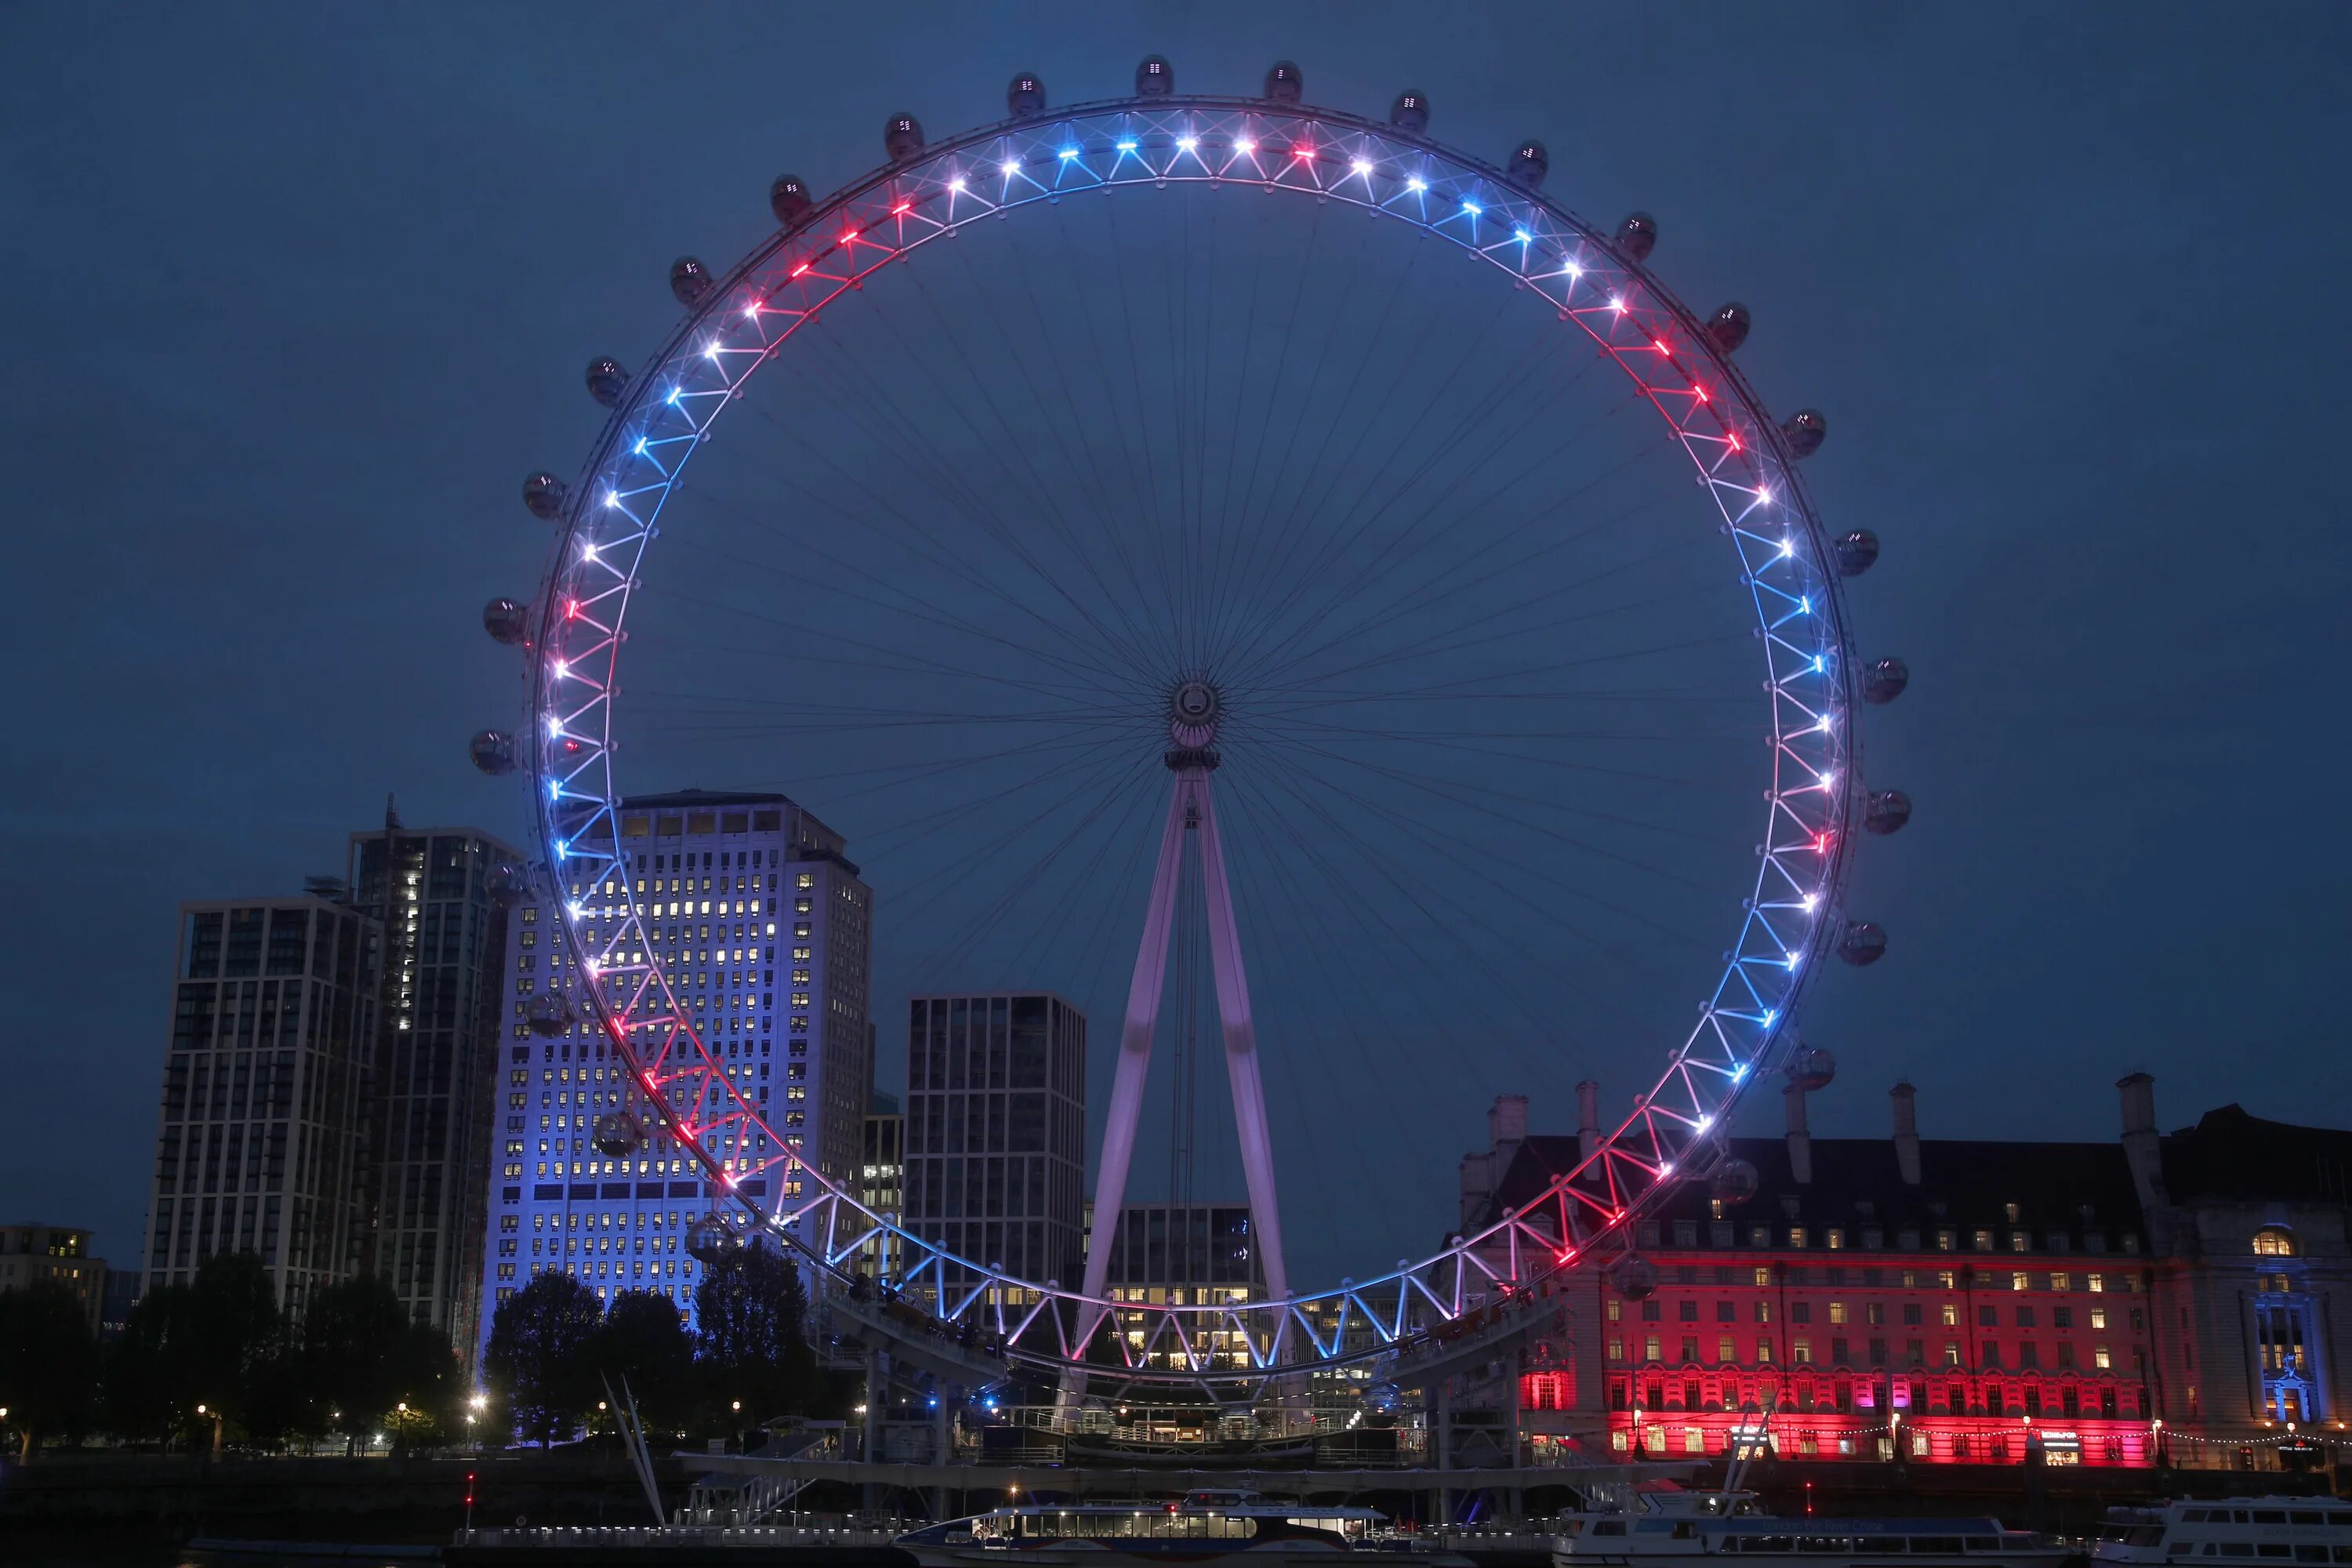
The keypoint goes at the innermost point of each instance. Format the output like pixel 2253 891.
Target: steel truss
pixel 1617 309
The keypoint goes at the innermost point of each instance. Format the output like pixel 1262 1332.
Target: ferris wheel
pixel 1255 565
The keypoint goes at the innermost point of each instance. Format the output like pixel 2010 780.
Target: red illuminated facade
pixel 1940 1302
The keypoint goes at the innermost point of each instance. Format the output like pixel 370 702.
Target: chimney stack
pixel 1588 1117
pixel 1482 1174
pixel 2143 1151
pixel 1907 1131
pixel 1800 1142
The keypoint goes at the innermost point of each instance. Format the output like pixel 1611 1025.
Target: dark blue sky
pixel 293 298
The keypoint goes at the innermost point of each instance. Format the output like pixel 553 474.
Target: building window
pixel 2275 1241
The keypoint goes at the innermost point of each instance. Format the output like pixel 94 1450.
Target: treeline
pixel 214 1360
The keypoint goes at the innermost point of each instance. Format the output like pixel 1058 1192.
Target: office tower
pixel 31 1252
pixel 996 1128
pixel 763 927
pixel 1185 1254
pixel 428 1122
pixel 882 1184
pixel 273 1018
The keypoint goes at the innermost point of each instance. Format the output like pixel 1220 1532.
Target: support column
pixel 1241 1047
pixel 1143 993
pixel 878 1393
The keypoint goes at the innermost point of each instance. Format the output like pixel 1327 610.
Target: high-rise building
pixel 763 926
pixel 996 1129
pixel 429 1095
pixel 1185 1254
pixel 882 1184
pixel 260 1143
pixel 31 1252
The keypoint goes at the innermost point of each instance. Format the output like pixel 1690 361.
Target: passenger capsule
pixel 506 620
pixel 902 138
pixel 1155 78
pixel 1283 83
pixel 1856 553
pixel 548 1014
pixel 507 884
pixel 1410 111
pixel 608 381
pixel 1734 1183
pixel 545 495
pixel 789 199
pixel 1025 96
pixel 1727 328
pixel 493 751
pixel 618 1135
pixel 1637 237
pixel 1813 1068
pixel 1862 945
pixel 689 281
pixel 1530 164
pixel 1806 430
pixel 709 1240
pixel 1885 679
pixel 1635 1276
pixel 1886 811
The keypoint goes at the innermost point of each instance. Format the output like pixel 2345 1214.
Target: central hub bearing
pixel 1192 711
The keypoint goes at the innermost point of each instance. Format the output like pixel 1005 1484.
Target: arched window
pixel 2275 1241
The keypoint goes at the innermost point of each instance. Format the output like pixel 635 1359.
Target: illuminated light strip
pixel 1406 162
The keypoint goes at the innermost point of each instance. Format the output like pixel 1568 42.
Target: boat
pixel 2307 1529
pixel 1203 1527
pixel 1703 1530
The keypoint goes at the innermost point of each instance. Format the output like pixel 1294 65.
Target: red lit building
pixel 1947 1301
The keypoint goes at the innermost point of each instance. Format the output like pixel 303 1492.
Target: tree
pixel 541 1354
pixel 141 1395
pixel 232 1330
pixel 48 1362
pixel 347 1339
pixel 750 1305
pixel 644 1341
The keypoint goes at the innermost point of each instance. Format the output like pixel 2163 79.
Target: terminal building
pixel 2161 1298
pixel 764 928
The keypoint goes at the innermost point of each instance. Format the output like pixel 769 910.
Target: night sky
pixel 294 298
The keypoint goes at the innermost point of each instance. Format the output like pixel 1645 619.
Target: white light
pixel 1817 670
pixel 1788 547
pixel 1771 1016
pixel 1572 270
pixel 1362 166
pixel 1763 494
pixel 1738 1071
pixel 1667 1169
pixel 554 789
pixel 1188 144
pixel 587 553
pixel 1616 304
pixel 1793 961
pixel 672 398
pixel 1245 147
pixel 1824 725
pixel 1704 1123
pixel 576 908
pixel 1472 208
pixel 641 446
pixel 562 672
pixel 1416 183
pixel 1805 604
pixel 955 184
pixel 1009 168
pixel 1809 899
pixel 752 312
pixel 1522 235
pixel 611 498
pixel 711 352
pixel 1828 779
pixel 1069 154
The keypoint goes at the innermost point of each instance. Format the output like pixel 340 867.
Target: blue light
pixel 1523 235
pixel 672 398
pixel 555 788
pixel 935 1402
pixel 641 445
pixel 1127 146
pixel 1472 208
pixel 563 849
pixel 1771 1016
pixel 1806 605
pixel 1740 1072
pixel 1067 154
pixel 1816 664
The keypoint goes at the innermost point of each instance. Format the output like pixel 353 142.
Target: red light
pixel 1821 842
pixel 1732 437
pixel 902 209
pixel 849 237
pixel 571 609
pixel 1662 347
pixel 1701 391
pixel 804 267
pixel 1301 151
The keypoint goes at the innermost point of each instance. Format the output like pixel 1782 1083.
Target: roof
pixel 1964 1184
pixel 2232 1155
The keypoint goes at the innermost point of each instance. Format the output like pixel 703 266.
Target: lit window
pixel 2275 1241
